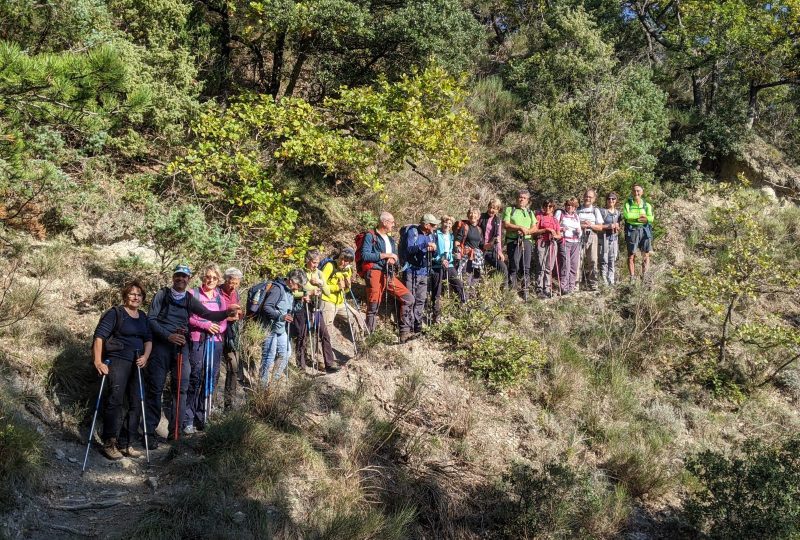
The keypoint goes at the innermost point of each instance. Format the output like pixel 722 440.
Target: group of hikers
pixel 189 333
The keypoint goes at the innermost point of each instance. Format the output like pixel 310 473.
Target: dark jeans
pixel 437 282
pixel 519 263
pixel 196 394
pixel 162 361
pixel 492 261
pixel 418 286
pixel 308 342
pixel 122 379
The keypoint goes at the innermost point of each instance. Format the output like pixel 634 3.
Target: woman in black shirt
pixel 469 247
pixel 122 337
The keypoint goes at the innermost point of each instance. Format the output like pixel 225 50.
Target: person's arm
pixel 369 249
pixel 510 227
pixel 195 306
pixel 156 327
pixel 416 242
pixel 630 213
pixel 195 321
pixel 649 212
pixel 330 279
pixel 105 327
pixel 271 303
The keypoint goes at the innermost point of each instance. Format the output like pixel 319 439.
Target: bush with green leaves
pixel 755 494
pixel 559 501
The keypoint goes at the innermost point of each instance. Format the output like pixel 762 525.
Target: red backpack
pixel 361 267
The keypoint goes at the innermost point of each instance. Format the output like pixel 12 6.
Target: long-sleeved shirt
pixel 372 248
pixel 213 301
pixel 331 274
pixel 444 249
pixel 132 335
pixel 167 314
pixel 492 229
pixel 631 212
pixel 277 305
pixel 417 250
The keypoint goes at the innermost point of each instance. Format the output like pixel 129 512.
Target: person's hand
pixel 391 257
pixel 177 339
pixel 288 317
pixel 213 329
pixel 502 257
pixel 642 219
pixel 101 368
pixel 431 246
pixel 233 310
pixel 315 281
pixel 445 263
pixel 585 224
pixel 141 361
pixel 307 298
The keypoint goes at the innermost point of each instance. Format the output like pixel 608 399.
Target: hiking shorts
pixel 637 240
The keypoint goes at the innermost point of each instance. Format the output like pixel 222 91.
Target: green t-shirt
pixel 631 212
pixel 523 217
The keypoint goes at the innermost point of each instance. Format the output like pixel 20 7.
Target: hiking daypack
pixel 402 245
pixel 256 296
pixel 111 344
pixel 167 300
pixel 361 267
pixel 325 261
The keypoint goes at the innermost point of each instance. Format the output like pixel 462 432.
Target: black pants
pixel 302 335
pixel 519 263
pixel 163 360
pixel 491 260
pixel 230 359
pixel 437 282
pixel 122 380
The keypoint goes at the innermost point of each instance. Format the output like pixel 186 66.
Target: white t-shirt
pixel 570 226
pixel 386 243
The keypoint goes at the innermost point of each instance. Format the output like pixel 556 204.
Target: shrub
pixel 505 362
pixel 755 495
pixel 20 458
pixel 561 502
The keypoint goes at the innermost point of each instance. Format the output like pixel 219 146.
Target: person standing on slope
pixel 638 216
pixel 419 244
pixel 609 240
pixel 591 223
pixel 520 224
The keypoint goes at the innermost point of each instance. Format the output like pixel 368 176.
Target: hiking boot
pixel 130 451
pixel 189 430
pixel 406 337
pixel 332 369
pixel 110 450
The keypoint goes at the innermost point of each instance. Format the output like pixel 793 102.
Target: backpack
pixel 462 227
pixel 361 267
pixel 323 262
pixel 167 300
pixel 402 245
pixel 256 296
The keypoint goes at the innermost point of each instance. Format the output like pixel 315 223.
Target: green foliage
pixel 20 458
pixel 561 502
pixel 753 495
pixel 506 361
pixel 243 153
pixel 747 267
pixel 182 233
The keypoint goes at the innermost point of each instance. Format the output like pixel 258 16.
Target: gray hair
pixel 384 217
pixel 233 273
pixel 312 254
pixel 297 276
pixel 522 192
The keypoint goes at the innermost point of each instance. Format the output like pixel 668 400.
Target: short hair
pixel 347 254
pixel 522 192
pixel 312 254
pixel 385 216
pixel 495 202
pixel 592 190
pixel 129 286
pixel 571 202
pixel 214 268
pixel 233 273
pixel 297 276
pixel 473 212
pixel 446 218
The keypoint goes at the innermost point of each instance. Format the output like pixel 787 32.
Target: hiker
pixel 520 224
pixel 206 338
pixel 491 225
pixel 278 311
pixel 419 245
pixel 309 325
pixel 547 234
pixel 123 337
pixel 234 370
pixel 609 239
pixel 337 273
pixel 378 259
pixel 169 318
pixel 444 271
pixel 638 216
pixel 569 254
pixel 468 238
pixel 591 223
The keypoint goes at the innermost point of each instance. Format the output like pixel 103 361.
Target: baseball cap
pixel 182 269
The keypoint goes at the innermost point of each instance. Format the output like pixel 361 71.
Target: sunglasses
pixel 611 199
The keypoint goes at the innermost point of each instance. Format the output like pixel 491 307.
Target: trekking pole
pixel 520 255
pixel 429 265
pixel 205 378
pixel 288 348
pixel 141 400
pixel 179 369
pixel 211 356
pixel 309 337
pixel 349 323
pixel 94 418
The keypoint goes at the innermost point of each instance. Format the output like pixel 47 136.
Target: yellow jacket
pixel 331 274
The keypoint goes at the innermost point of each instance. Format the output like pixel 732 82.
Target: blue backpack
pixel 402 245
pixel 256 296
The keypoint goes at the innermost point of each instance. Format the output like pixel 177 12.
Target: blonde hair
pixel 213 268
pixel 497 203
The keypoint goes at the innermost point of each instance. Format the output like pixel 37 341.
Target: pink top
pixel 213 301
pixel 543 221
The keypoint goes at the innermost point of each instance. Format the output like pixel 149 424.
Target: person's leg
pixel 302 339
pixel 435 284
pixel 563 267
pixel 456 284
pixel 155 374
pixel 376 283
pixel 513 263
pixel 117 382
pixel 216 363
pixel 611 263
pixel 632 242
pixel 645 262
pixel 133 417
pixel 406 299
pixel 549 260
pixel 328 313
pixel 541 265
pixel 325 343
pixel 574 264
pixel 591 265
pixel 284 350
pixel 231 377
pixel 193 413
pixel 268 358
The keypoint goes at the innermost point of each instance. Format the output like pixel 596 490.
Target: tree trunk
pixel 697 94
pixel 295 75
pixel 277 64
pixel 712 93
pixel 752 103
